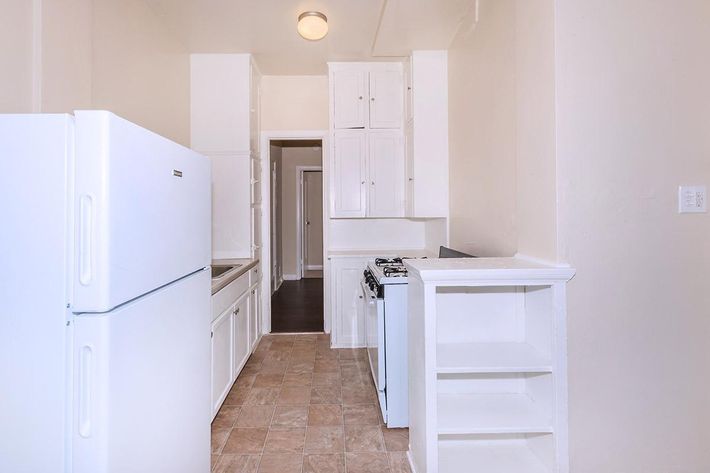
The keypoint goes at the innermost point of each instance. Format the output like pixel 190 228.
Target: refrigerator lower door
pixel 143 211
pixel 142 383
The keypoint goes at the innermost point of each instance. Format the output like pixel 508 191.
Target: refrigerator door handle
pixel 85 239
pixel 85 382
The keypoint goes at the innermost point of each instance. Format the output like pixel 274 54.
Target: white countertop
pixel 452 270
pixel 411 253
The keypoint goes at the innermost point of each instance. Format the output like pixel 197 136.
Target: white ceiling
pixel 359 29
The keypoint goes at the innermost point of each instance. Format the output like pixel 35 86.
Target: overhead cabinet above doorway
pixel 367 95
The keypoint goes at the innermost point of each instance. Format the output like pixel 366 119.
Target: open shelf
pixel 509 357
pixel 485 457
pixel 490 414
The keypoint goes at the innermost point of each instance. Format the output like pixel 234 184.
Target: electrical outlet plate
pixel 692 199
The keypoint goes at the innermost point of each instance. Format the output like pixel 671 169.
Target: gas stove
pixel 388 270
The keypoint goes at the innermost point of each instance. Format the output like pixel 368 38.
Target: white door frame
pixel 300 213
pixel 266 137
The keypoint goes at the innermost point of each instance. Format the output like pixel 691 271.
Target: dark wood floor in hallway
pixel 298 306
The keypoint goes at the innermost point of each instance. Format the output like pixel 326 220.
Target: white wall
pixel 140 70
pixel 294 103
pixel 16 45
pixel 632 124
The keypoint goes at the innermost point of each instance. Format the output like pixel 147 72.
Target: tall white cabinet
pixel 488 382
pixel 224 121
pixel 367 143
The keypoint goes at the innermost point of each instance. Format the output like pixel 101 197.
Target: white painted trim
pixel 291 277
pixel 300 227
pixel 314 267
pixel 36 56
pixel 266 137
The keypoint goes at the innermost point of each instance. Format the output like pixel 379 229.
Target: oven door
pixel 375 335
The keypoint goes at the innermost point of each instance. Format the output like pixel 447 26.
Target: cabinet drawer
pixel 226 297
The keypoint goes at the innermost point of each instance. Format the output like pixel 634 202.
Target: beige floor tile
pixel 236 396
pixel 255 416
pixel 358 395
pixel 367 463
pixel 294 396
pixel 214 460
pixel 245 441
pixel 226 417
pixel 274 367
pixel 298 379
pixel 361 414
pixel 287 417
pixel 325 395
pixel 326 379
pixel 278 355
pixel 325 414
pixel 326 366
pixel 399 462
pixel 285 441
pixel 245 380
pixel 396 440
pixel 231 463
pixel 280 463
pixel 268 380
pixel 324 440
pixel 363 438
pixel 262 396
pixel 219 438
pixel 324 463
pixel 300 367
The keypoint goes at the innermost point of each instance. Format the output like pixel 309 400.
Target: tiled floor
pixel 300 407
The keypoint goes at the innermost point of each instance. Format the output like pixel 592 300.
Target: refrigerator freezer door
pixel 143 208
pixel 142 384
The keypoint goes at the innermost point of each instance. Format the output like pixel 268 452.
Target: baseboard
pixel 314 267
pixel 291 277
pixel 341 345
pixel 411 463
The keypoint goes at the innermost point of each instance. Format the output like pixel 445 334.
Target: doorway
pixel 296 235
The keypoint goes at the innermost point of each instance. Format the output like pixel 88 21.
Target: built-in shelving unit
pixel 488 389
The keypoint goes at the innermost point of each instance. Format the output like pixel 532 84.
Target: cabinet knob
pixel 411 179
pixel 363 183
pixel 372 183
pixel 236 311
pixel 360 98
pixel 372 99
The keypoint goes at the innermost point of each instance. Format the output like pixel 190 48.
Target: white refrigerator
pixel 105 292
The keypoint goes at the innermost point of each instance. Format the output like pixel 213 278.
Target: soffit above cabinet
pixel 362 30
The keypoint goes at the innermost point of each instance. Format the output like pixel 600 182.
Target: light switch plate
pixel 692 199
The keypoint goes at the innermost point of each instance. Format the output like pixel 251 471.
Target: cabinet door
pixel 409 170
pixel 348 310
pixel 386 175
pixel 241 334
pixel 386 99
pixel 221 358
pixel 349 98
pixel 254 316
pixel 348 175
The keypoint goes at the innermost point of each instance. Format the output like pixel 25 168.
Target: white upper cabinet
pixel 386 98
pixel 386 174
pixel 348 175
pixel 428 137
pixel 223 93
pixel 350 98
pixel 367 95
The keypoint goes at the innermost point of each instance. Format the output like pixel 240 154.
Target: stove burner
pixel 395 272
pixel 388 262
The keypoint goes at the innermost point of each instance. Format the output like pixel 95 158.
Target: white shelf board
pixel 490 358
pixel 472 456
pixel 490 414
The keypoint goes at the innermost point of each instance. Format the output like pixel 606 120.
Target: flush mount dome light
pixel 312 25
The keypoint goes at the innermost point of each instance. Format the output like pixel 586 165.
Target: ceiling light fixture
pixel 312 25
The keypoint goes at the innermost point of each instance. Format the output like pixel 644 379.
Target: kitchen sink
pixel 219 271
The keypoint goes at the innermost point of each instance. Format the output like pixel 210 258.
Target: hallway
pixel 297 306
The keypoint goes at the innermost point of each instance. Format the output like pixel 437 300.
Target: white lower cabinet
pixel 347 308
pixel 236 328
pixel 222 370
pixel 242 347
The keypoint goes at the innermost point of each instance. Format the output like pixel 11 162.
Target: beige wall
pixel 294 103
pixel 140 70
pixel 632 124
pixel 94 54
pixel 482 133
pixel 292 157
pixel 16 46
